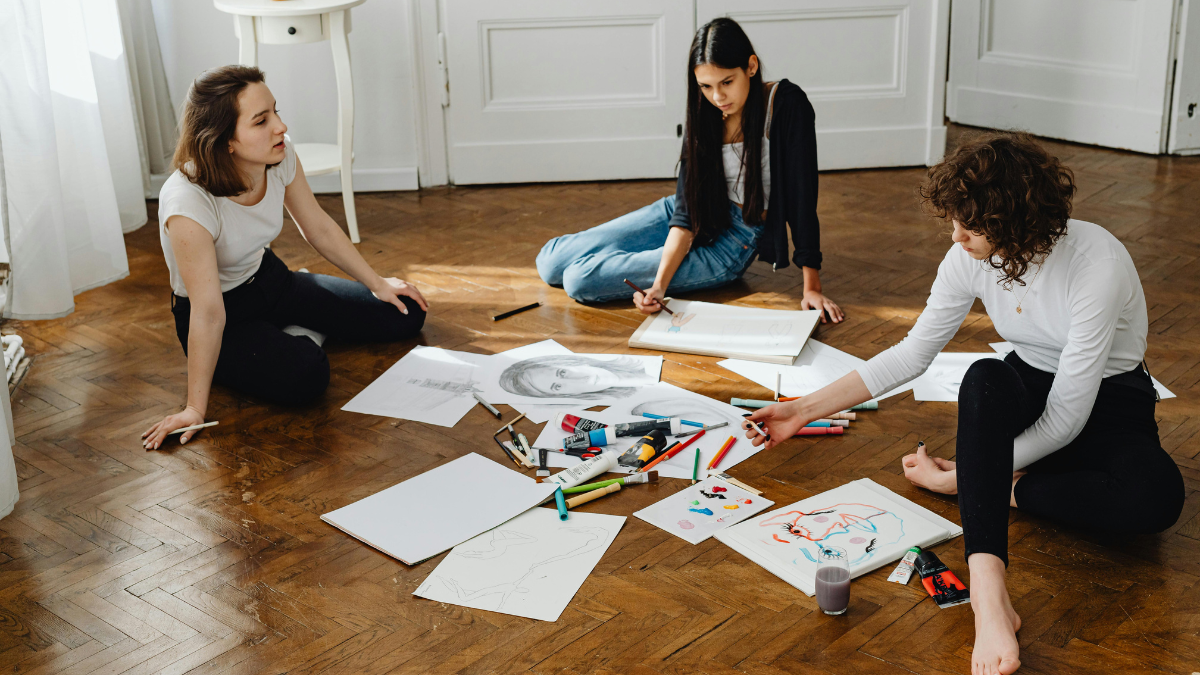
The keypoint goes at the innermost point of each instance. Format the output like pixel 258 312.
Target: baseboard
pixel 368 180
pixel 365 180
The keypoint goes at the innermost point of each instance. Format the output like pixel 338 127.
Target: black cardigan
pixel 793 200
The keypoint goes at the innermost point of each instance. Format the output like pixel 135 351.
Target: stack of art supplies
pixel 873 524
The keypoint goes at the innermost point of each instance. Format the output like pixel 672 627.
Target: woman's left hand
pixel 817 300
pixel 931 473
pixel 390 290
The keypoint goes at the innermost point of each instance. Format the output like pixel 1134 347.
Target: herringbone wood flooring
pixel 211 558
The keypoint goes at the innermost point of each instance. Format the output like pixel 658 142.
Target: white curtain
pixel 154 114
pixel 63 221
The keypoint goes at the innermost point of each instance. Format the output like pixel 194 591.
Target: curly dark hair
pixel 1006 187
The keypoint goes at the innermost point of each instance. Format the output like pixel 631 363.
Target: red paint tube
pixel 941 584
pixel 576 424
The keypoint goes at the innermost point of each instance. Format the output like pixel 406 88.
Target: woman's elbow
pixel 211 316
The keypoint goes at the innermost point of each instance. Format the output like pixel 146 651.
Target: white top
pixel 1082 318
pixel 240 233
pixel 731 157
pixel 290 8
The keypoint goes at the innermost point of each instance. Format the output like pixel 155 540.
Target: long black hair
pixel 721 43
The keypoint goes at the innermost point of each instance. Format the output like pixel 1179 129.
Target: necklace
pixel 1027 289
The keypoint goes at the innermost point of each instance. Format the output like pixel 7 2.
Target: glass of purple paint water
pixel 833 580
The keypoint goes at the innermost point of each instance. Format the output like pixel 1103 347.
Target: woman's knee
pixel 578 281
pixel 307 378
pixel 989 386
pixel 1150 498
pixel 397 326
pixel 550 265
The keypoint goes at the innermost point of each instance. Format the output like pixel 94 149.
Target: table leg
pixel 247 41
pixel 339 25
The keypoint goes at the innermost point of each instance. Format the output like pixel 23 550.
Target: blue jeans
pixel 590 265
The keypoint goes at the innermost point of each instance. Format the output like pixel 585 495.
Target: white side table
pixel 293 22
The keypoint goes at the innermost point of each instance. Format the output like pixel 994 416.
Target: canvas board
pixel 439 509
pixel 699 511
pixel 750 333
pixel 666 399
pixel 531 566
pixel 873 524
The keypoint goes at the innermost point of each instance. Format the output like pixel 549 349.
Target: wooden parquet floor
pixel 211 558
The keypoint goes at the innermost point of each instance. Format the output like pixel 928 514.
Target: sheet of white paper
pixel 539 414
pixel 698 511
pixel 941 381
pixel 869 526
pixel 817 366
pixel 1163 392
pixel 439 509
pixel 530 566
pixel 713 327
pixel 666 399
pixel 541 374
pixel 429 385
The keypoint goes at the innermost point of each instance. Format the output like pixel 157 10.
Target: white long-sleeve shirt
pixel 1083 318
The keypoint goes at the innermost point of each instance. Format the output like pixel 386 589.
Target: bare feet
pixel 931 473
pixel 996 622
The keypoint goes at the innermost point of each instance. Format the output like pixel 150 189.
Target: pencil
pixel 634 287
pixel 194 426
pixel 505 315
pixel 696 468
pixel 721 453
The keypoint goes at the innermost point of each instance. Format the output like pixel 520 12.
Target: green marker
pixel 696 468
pixel 750 403
pixel 627 480
pixel 869 405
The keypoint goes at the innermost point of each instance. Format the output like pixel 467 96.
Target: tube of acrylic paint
pixel 585 470
pixel 904 570
pixel 576 424
pixel 644 449
pixel 608 435
pixel 941 584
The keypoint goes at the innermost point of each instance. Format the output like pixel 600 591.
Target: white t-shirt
pixel 1083 318
pixel 240 233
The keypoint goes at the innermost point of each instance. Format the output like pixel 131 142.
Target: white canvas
pixel 545 373
pixel 817 366
pixel 530 566
pixel 666 399
pixel 727 330
pixel 1003 348
pixel 873 524
pixel 441 508
pixel 701 510
pixel 429 385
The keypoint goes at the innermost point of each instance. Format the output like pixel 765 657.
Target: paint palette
pixel 699 511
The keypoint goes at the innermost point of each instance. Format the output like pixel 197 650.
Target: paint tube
pixel 904 570
pixel 941 584
pixel 585 470
pixel 644 449
pixel 604 436
pixel 576 424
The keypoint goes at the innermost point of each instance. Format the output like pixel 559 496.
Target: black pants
pixel 1114 477
pixel 259 359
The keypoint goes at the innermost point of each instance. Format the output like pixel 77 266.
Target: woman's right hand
pixel 650 301
pixel 780 422
pixel 153 437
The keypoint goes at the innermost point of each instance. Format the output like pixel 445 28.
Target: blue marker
pixel 560 503
pixel 819 423
pixel 688 422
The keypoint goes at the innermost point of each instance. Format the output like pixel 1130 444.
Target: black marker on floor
pixel 505 315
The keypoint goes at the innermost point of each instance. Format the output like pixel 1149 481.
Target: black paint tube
pixel 941 583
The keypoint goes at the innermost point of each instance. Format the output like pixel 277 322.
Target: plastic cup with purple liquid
pixel 833 580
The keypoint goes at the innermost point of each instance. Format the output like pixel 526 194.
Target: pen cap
pixel 576 424
pixel 928 563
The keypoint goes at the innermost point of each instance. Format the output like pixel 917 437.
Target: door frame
pixel 429 87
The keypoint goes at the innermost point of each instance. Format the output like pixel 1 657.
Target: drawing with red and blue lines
pixel 861 529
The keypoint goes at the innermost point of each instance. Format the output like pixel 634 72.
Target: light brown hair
pixel 208 125
pixel 1006 187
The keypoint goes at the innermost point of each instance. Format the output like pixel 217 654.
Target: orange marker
pixel 820 431
pixel 675 451
pixel 721 453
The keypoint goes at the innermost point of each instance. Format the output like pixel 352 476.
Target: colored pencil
pixel 696 468
pixel 721 453
pixel 671 453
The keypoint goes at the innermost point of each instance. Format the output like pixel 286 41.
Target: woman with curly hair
pixel 1064 426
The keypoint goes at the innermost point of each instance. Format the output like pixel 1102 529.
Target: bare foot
pixel 996 622
pixel 931 473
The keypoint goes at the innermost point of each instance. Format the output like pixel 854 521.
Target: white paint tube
pixel 585 470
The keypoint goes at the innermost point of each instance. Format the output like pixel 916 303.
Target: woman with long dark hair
pixel 1064 426
pixel 245 320
pixel 747 172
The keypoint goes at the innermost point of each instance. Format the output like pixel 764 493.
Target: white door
pixel 875 71
pixel 1091 71
pixel 547 90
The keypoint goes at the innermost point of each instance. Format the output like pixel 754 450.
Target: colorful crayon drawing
pixel 861 529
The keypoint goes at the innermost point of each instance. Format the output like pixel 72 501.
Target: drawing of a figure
pixel 574 376
pixel 679 321
pixel 861 529
pixel 696 409
pixel 586 539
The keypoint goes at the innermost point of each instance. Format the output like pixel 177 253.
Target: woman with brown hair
pixel 236 171
pixel 1064 426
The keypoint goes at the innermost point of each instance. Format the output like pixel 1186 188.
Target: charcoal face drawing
pixel 575 377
